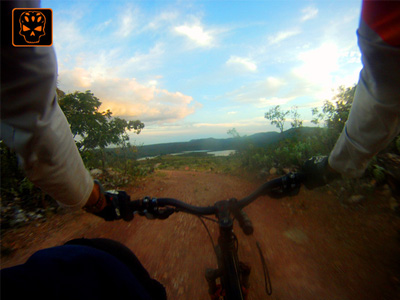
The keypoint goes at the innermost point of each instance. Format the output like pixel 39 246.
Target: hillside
pixel 261 139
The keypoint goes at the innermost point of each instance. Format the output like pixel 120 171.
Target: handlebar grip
pixel 244 222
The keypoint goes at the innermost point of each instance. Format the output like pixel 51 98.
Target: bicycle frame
pixel 232 273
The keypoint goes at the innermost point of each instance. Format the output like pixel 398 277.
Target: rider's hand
pixel 318 172
pixel 108 205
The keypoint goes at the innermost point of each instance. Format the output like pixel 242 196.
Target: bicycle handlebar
pixel 277 188
pixel 229 268
pixel 147 203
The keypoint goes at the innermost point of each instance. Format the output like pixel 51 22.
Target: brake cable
pixel 209 234
pixel 267 279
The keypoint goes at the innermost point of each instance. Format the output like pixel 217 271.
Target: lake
pixel 215 153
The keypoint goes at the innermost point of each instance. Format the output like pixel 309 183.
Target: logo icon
pixel 32 27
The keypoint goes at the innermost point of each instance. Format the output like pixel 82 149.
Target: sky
pixel 195 69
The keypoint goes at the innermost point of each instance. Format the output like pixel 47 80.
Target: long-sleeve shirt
pixel 374 119
pixel 32 123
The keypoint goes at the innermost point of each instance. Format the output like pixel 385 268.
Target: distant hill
pixel 261 139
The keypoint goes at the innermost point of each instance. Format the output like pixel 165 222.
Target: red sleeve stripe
pixel 384 18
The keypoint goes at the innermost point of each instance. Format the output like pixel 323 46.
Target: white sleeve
pixel 33 125
pixel 374 119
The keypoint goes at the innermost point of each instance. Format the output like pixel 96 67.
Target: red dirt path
pixel 315 247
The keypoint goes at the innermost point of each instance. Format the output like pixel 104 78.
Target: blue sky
pixel 195 69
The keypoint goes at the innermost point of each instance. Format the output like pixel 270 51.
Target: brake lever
pixel 153 211
pixel 160 214
pixel 291 184
pixel 164 213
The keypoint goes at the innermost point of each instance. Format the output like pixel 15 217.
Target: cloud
pixel 315 72
pixel 128 98
pixel 274 82
pixel 243 62
pixel 163 19
pixel 109 71
pixel 145 61
pixel 127 21
pixel 79 77
pixel 308 13
pixel 283 35
pixel 255 121
pixel 67 36
pixel 117 62
pixel 322 69
pixel 317 65
pixel 264 102
pixel 257 92
pixel 103 26
pixel 197 34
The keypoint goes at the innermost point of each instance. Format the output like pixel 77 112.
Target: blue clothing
pixel 73 272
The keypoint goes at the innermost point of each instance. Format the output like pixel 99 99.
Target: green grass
pixel 194 162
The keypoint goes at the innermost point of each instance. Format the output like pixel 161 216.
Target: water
pixel 215 153
pixel 222 153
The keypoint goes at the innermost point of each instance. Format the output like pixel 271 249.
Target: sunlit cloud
pixel 321 70
pixel 242 62
pixel 128 98
pixel 135 59
pixel 196 33
pixel 70 81
pixel 318 64
pixel 314 74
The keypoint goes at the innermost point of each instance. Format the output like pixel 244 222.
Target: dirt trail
pixel 315 248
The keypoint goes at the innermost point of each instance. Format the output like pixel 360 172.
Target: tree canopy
pixel 92 128
pixel 336 114
pixel 277 117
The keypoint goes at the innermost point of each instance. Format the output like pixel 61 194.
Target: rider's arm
pixel 32 123
pixel 374 118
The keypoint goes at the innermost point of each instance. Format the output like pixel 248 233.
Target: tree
pixel 91 128
pixel 233 132
pixel 277 117
pixel 297 122
pixel 336 114
pixel 318 116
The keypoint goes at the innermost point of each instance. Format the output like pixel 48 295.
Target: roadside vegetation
pixel 196 161
pixel 299 144
pixel 103 143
